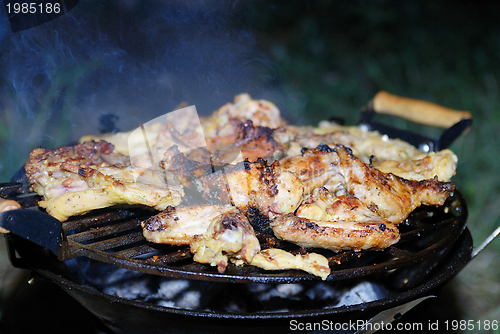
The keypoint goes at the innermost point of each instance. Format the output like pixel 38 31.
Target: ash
pixel 244 298
pixel 199 295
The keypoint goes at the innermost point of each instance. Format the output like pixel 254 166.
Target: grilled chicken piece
pixel 278 259
pixel 388 155
pixel 224 122
pixel 335 235
pixel 440 164
pixel 179 226
pixel 43 166
pixel 74 180
pixel 247 185
pixel 392 197
pixel 335 223
pixel 366 216
pixel 230 236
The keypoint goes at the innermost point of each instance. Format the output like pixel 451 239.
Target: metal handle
pixel 486 242
pixel 418 111
pixel 6 205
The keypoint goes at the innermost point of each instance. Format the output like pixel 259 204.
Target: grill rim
pixel 49 267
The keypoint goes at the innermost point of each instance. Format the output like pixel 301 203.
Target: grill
pixel 434 246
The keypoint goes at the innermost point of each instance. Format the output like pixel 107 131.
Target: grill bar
pixel 118 241
pixel 104 231
pixel 136 251
pixel 398 253
pixel 109 216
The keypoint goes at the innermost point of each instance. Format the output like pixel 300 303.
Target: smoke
pixel 134 59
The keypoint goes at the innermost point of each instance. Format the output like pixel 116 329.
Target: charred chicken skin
pixel 392 197
pixel 74 180
pixel 229 236
pixel 366 216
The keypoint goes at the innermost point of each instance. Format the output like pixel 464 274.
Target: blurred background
pixel 314 59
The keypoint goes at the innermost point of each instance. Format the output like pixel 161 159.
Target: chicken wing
pixel 278 259
pixel 335 223
pixel 388 155
pixel 335 235
pixel 223 122
pixel 74 180
pixel 392 197
pixel 229 236
pixel 180 225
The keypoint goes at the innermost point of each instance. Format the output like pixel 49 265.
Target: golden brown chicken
pixel 180 225
pixel 330 186
pixel 388 155
pixel 278 259
pixel 365 216
pixel 74 180
pixel 229 236
pixel 335 235
pixel 392 197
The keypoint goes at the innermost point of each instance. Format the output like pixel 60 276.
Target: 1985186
pixel 33 8
pixel 471 325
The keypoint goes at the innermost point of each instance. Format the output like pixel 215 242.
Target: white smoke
pixel 134 59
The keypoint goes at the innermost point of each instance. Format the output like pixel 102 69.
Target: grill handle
pixel 455 122
pixel 418 111
pixel 486 242
pixel 7 205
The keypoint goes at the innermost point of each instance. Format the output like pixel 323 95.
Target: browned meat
pixel 229 236
pixel 179 226
pixel 278 259
pixel 335 235
pixel 392 197
pixel 74 180
pixel 365 216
